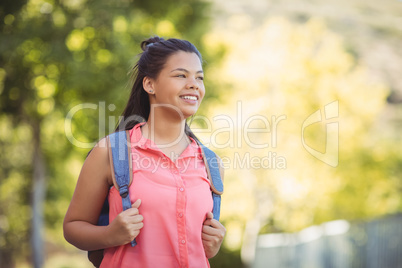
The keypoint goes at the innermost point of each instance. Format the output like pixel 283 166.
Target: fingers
pixel 209 230
pixel 212 234
pixel 207 237
pixel 127 224
pixel 137 223
pixel 213 223
pixel 134 209
pixel 136 204
pixel 137 219
pixel 210 215
pixel 130 212
pixel 209 219
pixel 214 228
pixel 210 222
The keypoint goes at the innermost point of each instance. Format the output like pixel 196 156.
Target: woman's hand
pixel 212 235
pixel 126 226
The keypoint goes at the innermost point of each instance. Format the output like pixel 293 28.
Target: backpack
pixel 121 164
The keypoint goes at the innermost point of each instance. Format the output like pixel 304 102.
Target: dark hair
pixel 156 51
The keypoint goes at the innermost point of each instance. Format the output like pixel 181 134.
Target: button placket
pixel 181 219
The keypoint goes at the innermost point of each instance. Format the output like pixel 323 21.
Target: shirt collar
pixel 138 140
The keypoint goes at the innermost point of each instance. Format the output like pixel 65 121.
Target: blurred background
pixel 303 104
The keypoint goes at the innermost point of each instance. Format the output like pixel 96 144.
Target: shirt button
pixel 180 214
pixel 181 189
pixel 183 241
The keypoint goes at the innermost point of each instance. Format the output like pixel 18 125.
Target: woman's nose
pixel 192 83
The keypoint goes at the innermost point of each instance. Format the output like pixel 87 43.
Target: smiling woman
pixel 168 88
pixel 179 84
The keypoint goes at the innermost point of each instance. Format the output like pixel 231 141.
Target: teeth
pixel 189 97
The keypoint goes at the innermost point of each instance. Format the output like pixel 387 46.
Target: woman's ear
pixel 148 85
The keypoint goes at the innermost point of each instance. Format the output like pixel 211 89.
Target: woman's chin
pixel 188 114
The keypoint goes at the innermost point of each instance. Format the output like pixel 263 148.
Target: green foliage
pixel 226 259
pixel 14 188
pixel 294 70
pixel 55 55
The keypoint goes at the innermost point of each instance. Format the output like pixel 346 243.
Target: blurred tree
pixel 55 56
pixel 279 74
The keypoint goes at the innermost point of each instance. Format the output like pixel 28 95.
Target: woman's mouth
pixel 191 99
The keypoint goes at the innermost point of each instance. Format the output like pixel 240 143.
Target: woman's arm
pixel 92 188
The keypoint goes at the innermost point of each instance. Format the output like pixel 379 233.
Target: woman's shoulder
pixel 98 159
pixel 100 149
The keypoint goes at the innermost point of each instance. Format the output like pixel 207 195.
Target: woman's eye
pixel 200 78
pixel 181 75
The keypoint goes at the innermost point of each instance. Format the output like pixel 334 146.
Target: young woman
pixel 171 199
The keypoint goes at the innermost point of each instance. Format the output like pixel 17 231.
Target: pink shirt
pixel 175 198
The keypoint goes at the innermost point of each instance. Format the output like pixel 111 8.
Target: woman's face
pixel 179 87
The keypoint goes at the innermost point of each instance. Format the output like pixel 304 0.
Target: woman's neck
pixel 165 131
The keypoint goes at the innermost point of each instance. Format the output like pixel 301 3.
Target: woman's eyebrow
pixel 185 70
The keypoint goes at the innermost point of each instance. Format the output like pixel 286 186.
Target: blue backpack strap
pixel 104 216
pixel 119 143
pixel 212 166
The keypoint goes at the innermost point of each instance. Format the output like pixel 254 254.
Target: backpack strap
pixel 214 169
pixel 121 165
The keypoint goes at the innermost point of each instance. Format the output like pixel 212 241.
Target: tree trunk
pixel 249 241
pixel 38 198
